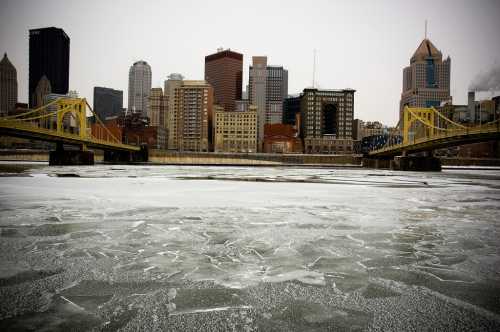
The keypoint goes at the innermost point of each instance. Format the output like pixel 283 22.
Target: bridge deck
pixel 26 130
pixel 460 137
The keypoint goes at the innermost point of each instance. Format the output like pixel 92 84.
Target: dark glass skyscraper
pixel 224 72
pixel 107 102
pixel 49 56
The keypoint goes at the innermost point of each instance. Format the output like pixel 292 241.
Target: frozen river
pixel 134 248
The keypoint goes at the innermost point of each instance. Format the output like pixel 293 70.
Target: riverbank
pixel 240 159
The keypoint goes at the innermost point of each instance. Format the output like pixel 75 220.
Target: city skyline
pixel 367 57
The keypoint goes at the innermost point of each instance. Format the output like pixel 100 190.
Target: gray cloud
pixel 487 81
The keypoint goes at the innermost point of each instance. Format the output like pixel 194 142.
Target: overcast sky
pixel 360 44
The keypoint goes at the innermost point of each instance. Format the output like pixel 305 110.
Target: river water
pixel 141 248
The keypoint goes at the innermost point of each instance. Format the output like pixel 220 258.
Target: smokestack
pixel 471 105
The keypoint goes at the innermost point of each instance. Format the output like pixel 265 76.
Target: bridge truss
pixel 63 120
pixel 426 129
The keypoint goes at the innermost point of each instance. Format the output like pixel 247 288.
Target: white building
pixel 139 87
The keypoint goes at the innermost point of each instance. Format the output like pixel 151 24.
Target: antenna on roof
pixel 425 29
pixel 314 67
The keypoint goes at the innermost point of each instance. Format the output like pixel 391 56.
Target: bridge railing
pixel 42 120
pixel 431 132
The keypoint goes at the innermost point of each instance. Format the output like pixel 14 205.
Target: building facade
pixel 173 82
pixel 8 86
pixel 158 108
pixel 426 81
pixel 291 107
pixel 139 87
pixel 49 57
pixel 326 121
pixel 281 138
pixel 107 102
pixel 43 88
pixel 267 89
pixel 192 114
pixel 235 131
pixel 277 91
pixel 224 71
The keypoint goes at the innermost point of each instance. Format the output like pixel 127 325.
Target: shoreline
pixel 168 158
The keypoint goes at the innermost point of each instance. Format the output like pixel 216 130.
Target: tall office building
pixel 8 86
pixel 277 91
pixel 257 93
pixel 426 81
pixel 107 102
pixel 49 57
pixel 291 109
pixel 192 115
pixel 173 82
pixel 224 71
pixel 326 120
pixel 42 89
pixel 139 87
pixel 158 107
pixel 267 89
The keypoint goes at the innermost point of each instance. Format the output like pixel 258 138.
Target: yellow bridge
pixel 64 121
pixel 426 129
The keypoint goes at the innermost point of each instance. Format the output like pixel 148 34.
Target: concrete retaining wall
pixel 258 159
pixel 201 158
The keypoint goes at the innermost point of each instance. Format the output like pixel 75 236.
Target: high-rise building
pixel 426 81
pixel 8 86
pixel 235 131
pixel 257 93
pixel 158 108
pixel 49 57
pixel 139 87
pixel 192 114
pixel 43 88
pixel 291 108
pixel 277 91
pixel 173 82
pixel 107 102
pixel 326 120
pixel 224 71
pixel 267 89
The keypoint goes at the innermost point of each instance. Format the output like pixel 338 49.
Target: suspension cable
pixel 32 111
pixel 101 123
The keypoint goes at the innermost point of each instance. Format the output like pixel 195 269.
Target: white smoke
pixel 487 81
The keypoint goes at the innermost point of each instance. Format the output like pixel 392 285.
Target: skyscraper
pixel 139 87
pixel 192 113
pixel 277 91
pixel 107 102
pixel 8 86
pixel 173 82
pixel 257 93
pixel 158 107
pixel 326 120
pixel 267 89
pixel 49 57
pixel 42 89
pixel 224 71
pixel 426 81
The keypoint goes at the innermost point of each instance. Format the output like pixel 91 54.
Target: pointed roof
pixel 425 50
pixel 5 64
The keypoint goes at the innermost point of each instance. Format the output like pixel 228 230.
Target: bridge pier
pixel 120 157
pixel 377 163
pixel 61 157
pixel 416 163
